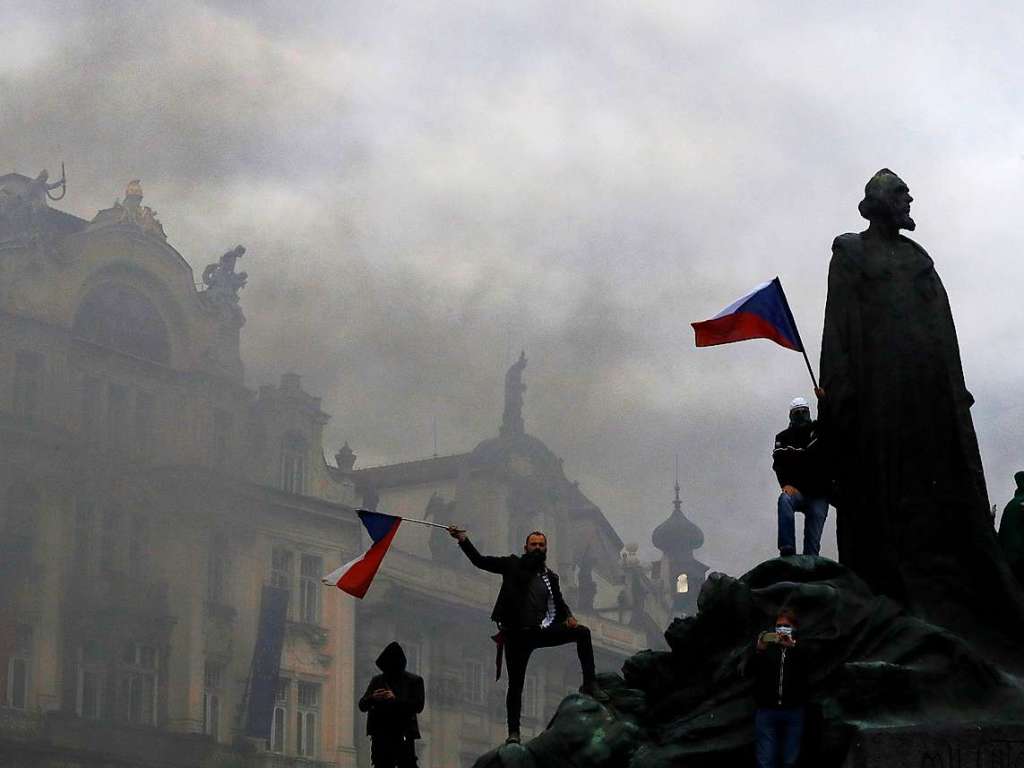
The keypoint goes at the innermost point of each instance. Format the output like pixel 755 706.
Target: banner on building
pixel 266 661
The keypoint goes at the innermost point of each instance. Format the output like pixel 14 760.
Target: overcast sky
pixel 425 188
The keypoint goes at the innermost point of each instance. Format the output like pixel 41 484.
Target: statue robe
pixel 913 514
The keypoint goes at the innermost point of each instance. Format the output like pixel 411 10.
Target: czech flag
pixel 762 314
pixel 355 577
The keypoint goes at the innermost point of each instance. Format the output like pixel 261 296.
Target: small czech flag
pixel 356 576
pixel 762 314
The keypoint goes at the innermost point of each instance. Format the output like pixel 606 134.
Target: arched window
pixel 682 584
pixel 293 463
pixel 119 317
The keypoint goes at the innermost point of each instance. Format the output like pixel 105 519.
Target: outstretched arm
pixel 483 562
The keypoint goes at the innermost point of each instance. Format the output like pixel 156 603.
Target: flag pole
pixel 424 522
pixel 407 519
pixel 810 370
pixel 789 314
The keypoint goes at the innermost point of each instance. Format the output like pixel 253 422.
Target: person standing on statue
pixel 1011 530
pixel 393 699
pixel 531 614
pixel 799 463
pixel 912 508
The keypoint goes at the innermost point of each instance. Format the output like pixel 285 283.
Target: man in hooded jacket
pixel 393 699
pixel 1011 530
pixel 799 464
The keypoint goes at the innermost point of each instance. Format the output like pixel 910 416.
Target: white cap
pixel 798 402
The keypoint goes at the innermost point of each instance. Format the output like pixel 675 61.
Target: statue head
pixel 887 201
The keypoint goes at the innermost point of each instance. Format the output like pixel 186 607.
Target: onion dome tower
pixel 681 573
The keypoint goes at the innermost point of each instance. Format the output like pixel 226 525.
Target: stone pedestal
pixel 984 745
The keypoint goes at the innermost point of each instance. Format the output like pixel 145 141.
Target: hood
pixel 392 659
pixel 1019 478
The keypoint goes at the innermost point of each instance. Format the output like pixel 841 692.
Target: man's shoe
pixel 513 738
pixel 593 690
pixel 787 551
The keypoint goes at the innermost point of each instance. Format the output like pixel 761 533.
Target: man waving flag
pixel 355 577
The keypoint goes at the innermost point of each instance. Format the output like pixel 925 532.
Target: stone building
pixel 432 600
pixel 148 496
pixel 136 532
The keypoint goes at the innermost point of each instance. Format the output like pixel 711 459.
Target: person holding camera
pixel 393 699
pixel 780 671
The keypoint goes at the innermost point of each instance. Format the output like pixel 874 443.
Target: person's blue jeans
pixel 777 736
pixel 815 509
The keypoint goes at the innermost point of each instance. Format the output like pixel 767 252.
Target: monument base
pixel 985 745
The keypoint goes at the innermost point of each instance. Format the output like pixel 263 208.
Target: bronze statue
pixel 912 505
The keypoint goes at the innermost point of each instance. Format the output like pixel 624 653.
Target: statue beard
pixel 903 221
pixel 535 560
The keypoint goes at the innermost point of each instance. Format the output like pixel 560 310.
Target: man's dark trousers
pixel 393 752
pixel 520 643
pixel 778 733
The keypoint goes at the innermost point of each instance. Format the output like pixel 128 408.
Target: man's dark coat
pixel 389 719
pixel 913 514
pixel 515 581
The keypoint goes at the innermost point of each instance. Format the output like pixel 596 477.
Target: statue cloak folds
pixel 913 516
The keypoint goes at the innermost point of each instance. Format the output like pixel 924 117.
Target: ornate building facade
pixel 148 496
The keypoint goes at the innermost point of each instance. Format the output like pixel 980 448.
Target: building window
pixel 109 539
pixel 90 427
pixel 307 730
pixel 279 725
pixel 221 447
pixel 117 416
pixel 682 584
pixel 145 418
pixel 473 682
pixel 28 383
pixel 138 546
pixel 309 589
pixel 281 568
pixel 531 701
pixel 217 570
pixel 211 701
pixel 91 682
pixel 121 318
pixel 136 684
pixel 85 519
pixel 293 464
pixel 19 668
pixel 18 528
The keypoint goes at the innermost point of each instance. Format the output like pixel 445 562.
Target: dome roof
pixel 678 535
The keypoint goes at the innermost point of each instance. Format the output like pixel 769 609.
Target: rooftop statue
pixel 913 517
pixel 131 211
pixel 512 420
pixel 221 280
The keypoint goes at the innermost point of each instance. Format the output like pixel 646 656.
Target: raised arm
pixel 483 562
